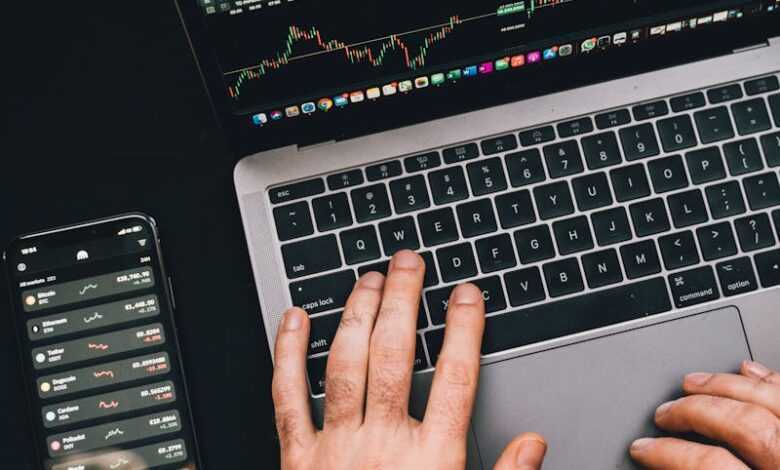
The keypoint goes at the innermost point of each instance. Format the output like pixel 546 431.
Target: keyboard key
pixel 315 368
pixel 501 144
pixel 456 262
pixel 409 194
pixel 717 241
pixel 573 235
pixel 294 191
pixel 332 212
pixel 293 221
pixel 630 182
pixel 768 266
pixel 576 314
pixel 602 268
pixel 434 339
pixel 640 259
pixel 420 362
pixel 725 200
pixel 422 162
pixel 537 136
pixel 650 110
pixel 693 287
pixel 448 185
pixel 345 180
pixel 687 208
pixel 438 301
pixel 678 250
pixel 762 191
pixel 487 176
pixel 563 158
pixel 323 293
pixel 601 150
pixel 575 127
pixel 496 253
pixel 399 234
pixel 515 209
pixel 526 167
pixel 725 93
pixel 754 232
pixel 613 119
pixel 461 153
pixel 687 102
pixel 371 203
pixel 492 293
pixel 563 277
pixel 360 245
pixel 677 133
pixel 668 174
pixel 476 218
pixel 553 200
pixel 611 226
pixel 524 286
pixel 743 157
pixel 762 85
pixel 751 116
pixel 311 256
pixel 323 330
pixel 771 145
pixel 774 104
pixel 534 244
pixel 705 165
pixel 639 142
pixel 384 171
pixel 736 276
pixel 592 191
pixel 437 227
pixel 649 217
pixel 714 125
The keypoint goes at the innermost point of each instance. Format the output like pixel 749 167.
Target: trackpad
pixel 590 400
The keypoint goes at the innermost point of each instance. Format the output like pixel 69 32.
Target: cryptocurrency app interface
pixel 98 349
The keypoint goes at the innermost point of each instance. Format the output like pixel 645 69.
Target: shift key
pixel 311 256
pixel 324 293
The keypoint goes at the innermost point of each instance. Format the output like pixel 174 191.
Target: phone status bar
pixel 237 7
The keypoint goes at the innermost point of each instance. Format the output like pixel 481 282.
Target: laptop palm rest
pixel 590 400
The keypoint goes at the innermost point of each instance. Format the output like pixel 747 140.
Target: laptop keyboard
pixel 565 228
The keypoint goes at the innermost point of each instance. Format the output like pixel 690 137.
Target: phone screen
pixel 94 317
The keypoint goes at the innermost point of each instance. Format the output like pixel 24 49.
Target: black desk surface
pixel 105 114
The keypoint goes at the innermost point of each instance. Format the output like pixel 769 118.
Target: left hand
pixel 740 411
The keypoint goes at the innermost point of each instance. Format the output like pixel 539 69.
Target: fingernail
pixel 663 409
pixel 466 294
pixel 756 370
pixel 372 280
pixel 698 378
pixel 292 320
pixel 641 444
pixel 406 260
pixel 528 450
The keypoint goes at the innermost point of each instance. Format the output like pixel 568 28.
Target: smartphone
pixel 93 313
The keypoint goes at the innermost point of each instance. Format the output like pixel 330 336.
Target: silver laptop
pixel 606 172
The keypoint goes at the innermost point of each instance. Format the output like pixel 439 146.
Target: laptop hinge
pixel 752 47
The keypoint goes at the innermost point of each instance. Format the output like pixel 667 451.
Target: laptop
pixel 606 173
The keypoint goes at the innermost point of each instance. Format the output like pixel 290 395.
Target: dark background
pixel 103 112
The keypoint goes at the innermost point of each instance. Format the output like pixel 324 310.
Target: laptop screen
pixel 285 67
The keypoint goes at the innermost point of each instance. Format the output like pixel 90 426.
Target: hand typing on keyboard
pixel 741 412
pixel 368 381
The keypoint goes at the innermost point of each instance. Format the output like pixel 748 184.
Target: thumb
pixel 524 452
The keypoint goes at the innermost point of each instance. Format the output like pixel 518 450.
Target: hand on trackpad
pixel 593 399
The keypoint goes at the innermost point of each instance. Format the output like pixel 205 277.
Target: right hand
pixel 369 376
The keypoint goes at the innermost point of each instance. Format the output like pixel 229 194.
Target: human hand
pixel 368 380
pixel 740 411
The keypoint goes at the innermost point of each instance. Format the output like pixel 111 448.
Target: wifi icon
pixel 142 242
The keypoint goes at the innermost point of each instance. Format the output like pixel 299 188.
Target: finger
pixel 737 387
pixel 524 452
pixel 290 391
pixel 761 372
pixel 752 431
pixel 676 454
pixel 391 354
pixel 457 369
pixel 345 384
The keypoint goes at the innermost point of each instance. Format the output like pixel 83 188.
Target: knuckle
pixel 456 372
pixel 355 316
pixel 385 390
pixel 287 426
pixel 767 442
pixel 340 398
pixel 714 457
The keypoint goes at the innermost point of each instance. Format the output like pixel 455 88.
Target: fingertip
pixel 406 259
pixel 371 280
pixel 755 369
pixel 467 294
pixel 294 319
pixel 525 451
pixel 640 446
